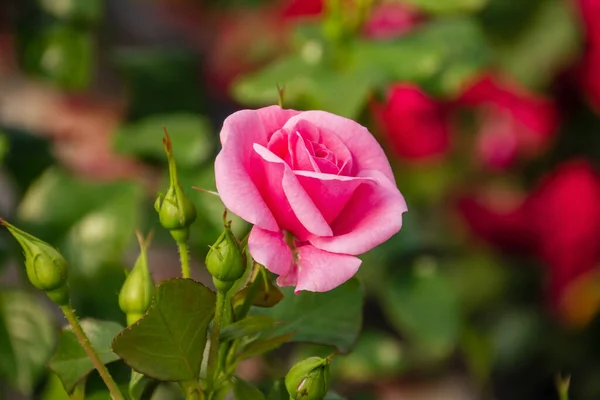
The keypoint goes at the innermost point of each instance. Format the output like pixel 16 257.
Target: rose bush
pixel 317 187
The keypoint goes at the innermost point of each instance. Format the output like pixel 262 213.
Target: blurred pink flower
pixel 513 123
pixel 390 20
pixel 414 124
pixel 317 187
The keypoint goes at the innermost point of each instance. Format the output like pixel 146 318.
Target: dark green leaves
pixel 71 363
pixel 244 390
pixel 168 342
pixel 333 318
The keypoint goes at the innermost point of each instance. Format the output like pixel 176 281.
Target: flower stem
pixel 213 355
pixel 185 259
pixel 91 353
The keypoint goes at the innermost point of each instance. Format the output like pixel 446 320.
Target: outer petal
pixel 367 153
pixel 370 218
pixel 291 205
pixel 269 249
pixel 232 165
pixel 330 193
pixel 320 271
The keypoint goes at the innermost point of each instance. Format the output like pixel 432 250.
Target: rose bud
pixel 136 293
pixel 46 267
pixel 308 379
pixel 175 210
pixel 225 261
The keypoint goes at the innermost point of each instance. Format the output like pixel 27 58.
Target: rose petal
pixel 330 193
pixel 236 189
pixel 293 208
pixel 269 249
pixel 372 216
pixel 320 271
pixel 367 154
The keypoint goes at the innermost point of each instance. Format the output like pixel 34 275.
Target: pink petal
pixel 372 216
pixel 366 152
pixel 234 184
pixel 269 249
pixel 330 193
pixel 291 205
pixel 320 271
pixel 317 270
pixel 275 117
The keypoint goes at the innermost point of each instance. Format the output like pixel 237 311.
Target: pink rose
pixel 317 187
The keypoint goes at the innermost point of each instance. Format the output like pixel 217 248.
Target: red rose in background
pixel 512 122
pixel 559 222
pixel 588 76
pixel 414 124
pixel 303 8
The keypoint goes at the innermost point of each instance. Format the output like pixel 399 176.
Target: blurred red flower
pixel 559 222
pixel 587 73
pixel 302 8
pixel 414 124
pixel 512 122
pixel 390 20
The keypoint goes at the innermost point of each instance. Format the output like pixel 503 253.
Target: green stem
pixel 213 355
pixel 91 353
pixel 192 390
pixel 185 259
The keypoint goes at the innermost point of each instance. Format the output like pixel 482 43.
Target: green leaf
pixel 139 384
pixel 422 305
pixel 247 326
pixel 71 363
pixel 168 342
pixel 307 85
pixel 245 391
pixel 446 6
pixel 441 55
pixel 539 53
pixel 32 337
pixel 278 391
pixel 376 356
pixel 261 346
pixel 62 54
pixel 4 146
pixel 333 318
pixel 191 134
pixel 56 200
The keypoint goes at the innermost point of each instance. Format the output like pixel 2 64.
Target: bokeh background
pixel 489 111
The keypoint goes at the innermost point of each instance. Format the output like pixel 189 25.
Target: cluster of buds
pixel 46 268
pixel 175 210
pixel 136 293
pixel 225 260
pixel 308 379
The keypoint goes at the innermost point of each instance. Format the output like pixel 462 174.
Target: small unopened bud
pixel 225 261
pixel 175 210
pixel 308 379
pixel 136 293
pixel 46 268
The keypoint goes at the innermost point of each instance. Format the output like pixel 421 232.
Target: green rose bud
pixel 136 293
pixel 46 267
pixel 308 379
pixel 225 261
pixel 175 210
